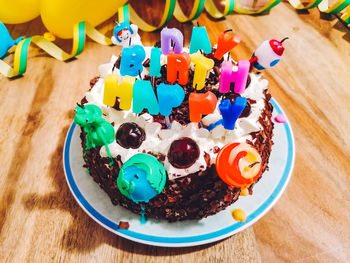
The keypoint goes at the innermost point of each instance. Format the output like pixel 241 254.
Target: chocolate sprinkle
pixel 123 225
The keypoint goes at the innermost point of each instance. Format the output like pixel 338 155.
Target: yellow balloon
pixel 18 11
pixel 59 16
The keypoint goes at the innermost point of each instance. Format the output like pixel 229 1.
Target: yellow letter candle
pixel 124 91
pixel 203 64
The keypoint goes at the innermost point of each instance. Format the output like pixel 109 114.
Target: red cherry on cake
pixel 277 46
pixel 130 135
pixel 183 153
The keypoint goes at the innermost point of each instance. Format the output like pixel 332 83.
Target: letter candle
pixel 201 103
pixel 238 77
pixel 200 40
pixel 178 64
pixel 154 68
pixel 203 64
pixel 226 42
pixel 231 112
pixel 124 91
pixel 171 34
pixel 144 98
pixel 169 97
pixel 131 62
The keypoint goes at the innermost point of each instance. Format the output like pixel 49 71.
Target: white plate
pixel 98 206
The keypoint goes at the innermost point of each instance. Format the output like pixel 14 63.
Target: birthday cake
pixel 175 147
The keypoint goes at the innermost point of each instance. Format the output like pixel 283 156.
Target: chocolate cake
pixel 193 189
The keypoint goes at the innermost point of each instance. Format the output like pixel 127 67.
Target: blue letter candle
pixel 144 98
pixel 200 40
pixel 154 68
pixel 169 97
pixel 171 34
pixel 131 62
pixel 230 112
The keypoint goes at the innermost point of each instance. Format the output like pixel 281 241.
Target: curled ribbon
pixel 172 8
pixel 21 52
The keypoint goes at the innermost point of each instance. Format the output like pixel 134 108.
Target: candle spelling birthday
pixel 141 94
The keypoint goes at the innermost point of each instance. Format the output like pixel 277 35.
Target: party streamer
pixel 21 52
pixel 172 8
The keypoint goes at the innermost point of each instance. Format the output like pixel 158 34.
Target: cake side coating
pixel 195 196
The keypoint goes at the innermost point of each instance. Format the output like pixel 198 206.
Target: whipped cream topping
pixel 158 140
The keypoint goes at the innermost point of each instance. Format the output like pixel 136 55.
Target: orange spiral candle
pixel 239 164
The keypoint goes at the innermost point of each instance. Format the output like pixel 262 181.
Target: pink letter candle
pixel 203 64
pixel 178 64
pixel 201 103
pixel 239 77
pixel 171 34
pixel 144 98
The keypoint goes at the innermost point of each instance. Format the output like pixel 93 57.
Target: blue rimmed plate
pixel 98 206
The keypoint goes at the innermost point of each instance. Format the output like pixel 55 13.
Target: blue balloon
pixel 6 41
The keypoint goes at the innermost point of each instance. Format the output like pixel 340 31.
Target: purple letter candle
pixel 171 34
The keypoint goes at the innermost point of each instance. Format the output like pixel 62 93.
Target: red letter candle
pixel 239 77
pixel 226 42
pixel 201 103
pixel 178 63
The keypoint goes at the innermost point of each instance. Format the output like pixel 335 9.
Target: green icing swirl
pixel 99 132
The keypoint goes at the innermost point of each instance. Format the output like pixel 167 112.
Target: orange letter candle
pixel 178 64
pixel 226 42
pixel 201 103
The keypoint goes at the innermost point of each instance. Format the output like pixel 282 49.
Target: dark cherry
pixel 130 135
pixel 183 152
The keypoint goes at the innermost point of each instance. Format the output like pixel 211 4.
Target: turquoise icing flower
pixel 141 178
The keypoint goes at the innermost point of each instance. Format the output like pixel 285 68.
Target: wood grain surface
pixel 40 220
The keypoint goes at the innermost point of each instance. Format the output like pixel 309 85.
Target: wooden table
pixel 40 221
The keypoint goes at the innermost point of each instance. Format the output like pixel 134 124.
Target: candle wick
pixel 140 75
pixel 80 105
pixel 228 30
pixel 129 41
pixel 197 23
pixel 174 46
pixel 228 56
pixel 284 39
pixel 201 51
pixel 253 164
